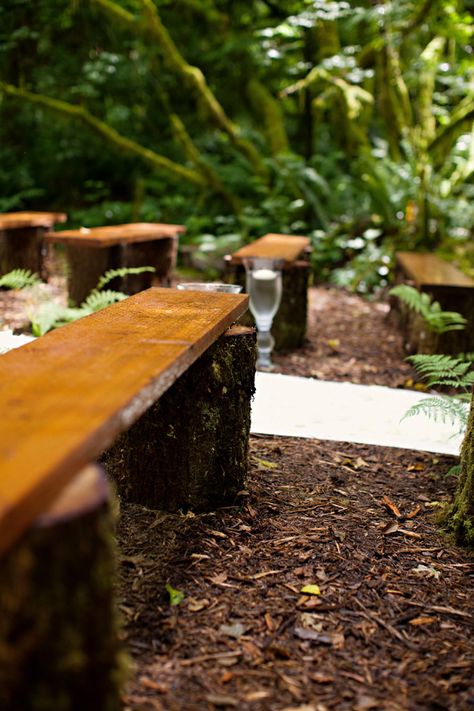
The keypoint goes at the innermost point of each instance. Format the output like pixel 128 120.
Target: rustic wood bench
pixel 446 284
pixel 289 325
pixel 158 386
pixel 22 240
pixel 92 252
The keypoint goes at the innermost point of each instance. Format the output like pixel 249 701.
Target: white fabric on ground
pixel 8 341
pixel 290 406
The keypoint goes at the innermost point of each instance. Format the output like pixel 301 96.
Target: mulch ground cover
pixel 329 584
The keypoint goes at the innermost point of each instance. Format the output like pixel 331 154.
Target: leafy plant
pixel 52 315
pixel 19 279
pixel 436 319
pixel 444 371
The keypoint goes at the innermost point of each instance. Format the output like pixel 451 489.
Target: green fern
pixel 98 300
pixel 444 370
pixel 442 408
pixel 120 273
pixel 19 279
pixel 435 318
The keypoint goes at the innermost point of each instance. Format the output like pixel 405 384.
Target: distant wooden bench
pixel 22 240
pixel 450 287
pixel 158 386
pixel 92 252
pixel 289 325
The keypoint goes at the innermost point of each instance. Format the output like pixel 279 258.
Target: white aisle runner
pixel 367 414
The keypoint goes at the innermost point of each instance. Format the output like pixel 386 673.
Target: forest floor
pixel 387 620
pixel 387 623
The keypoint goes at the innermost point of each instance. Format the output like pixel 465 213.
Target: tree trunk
pixel 189 450
pixel 58 631
pixel 461 514
pixel 85 266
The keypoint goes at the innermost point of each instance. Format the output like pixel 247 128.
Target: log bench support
pixel 444 283
pixel 59 647
pixel 23 250
pixel 190 449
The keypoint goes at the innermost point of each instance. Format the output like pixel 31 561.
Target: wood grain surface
pixel 429 270
pixel 273 246
pixel 20 220
pixel 116 234
pixel 67 395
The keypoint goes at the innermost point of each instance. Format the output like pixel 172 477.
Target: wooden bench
pixel 289 325
pixel 22 240
pixel 450 287
pixel 158 386
pixel 92 252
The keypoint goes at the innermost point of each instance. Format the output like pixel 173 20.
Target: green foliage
pixel 19 279
pixel 435 318
pixel 51 315
pixel 112 274
pixel 446 372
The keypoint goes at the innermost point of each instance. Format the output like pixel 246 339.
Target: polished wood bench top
pixel 20 220
pixel 274 246
pixel 427 269
pixel 66 396
pixel 116 234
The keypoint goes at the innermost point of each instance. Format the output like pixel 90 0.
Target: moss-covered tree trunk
pixel 461 514
pixel 58 635
pixel 190 449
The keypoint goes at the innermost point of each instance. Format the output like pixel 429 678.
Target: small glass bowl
pixel 209 286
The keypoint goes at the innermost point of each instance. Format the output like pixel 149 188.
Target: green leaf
pixel 176 596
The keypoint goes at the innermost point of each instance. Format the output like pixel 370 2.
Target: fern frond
pixel 98 300
pixel 51 315
pixel 435 318
pixel 19 279
pixel 444 409
pixel 120 273
pixel 443 370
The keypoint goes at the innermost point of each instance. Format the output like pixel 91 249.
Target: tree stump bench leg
pixel 23 249
pixel 190 449
pixel 58 632
pixel 85 266
pixel 160 254
pixel 289 324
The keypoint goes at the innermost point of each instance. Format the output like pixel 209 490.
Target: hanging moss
pixel 58 629
pixel 189 450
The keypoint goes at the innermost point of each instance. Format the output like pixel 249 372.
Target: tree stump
pixel 85 266
pixel 160 254
pixel 23 248
pixel 461 514
pixel 289 323
pixel 58 631
pixel 190 449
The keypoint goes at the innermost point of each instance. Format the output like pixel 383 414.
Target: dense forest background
pixel 351 122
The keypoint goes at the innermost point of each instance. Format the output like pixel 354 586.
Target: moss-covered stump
pixel 461 514
pixel 23 248
pixel 86 266
pixel 58 633
pixel 189 450
pixel 289 324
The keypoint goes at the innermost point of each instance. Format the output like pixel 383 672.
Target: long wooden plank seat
pixel 158 386
pixel 92 252
pixel 446 284
pixel 22 240
pixel 289 325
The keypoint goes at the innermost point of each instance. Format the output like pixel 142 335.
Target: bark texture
pixel 85 266
pixel 160 254
pixel 22 249
pixel 461 514
pixel 58 635
pixel 189 450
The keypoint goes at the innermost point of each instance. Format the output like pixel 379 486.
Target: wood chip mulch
pixel 328 586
